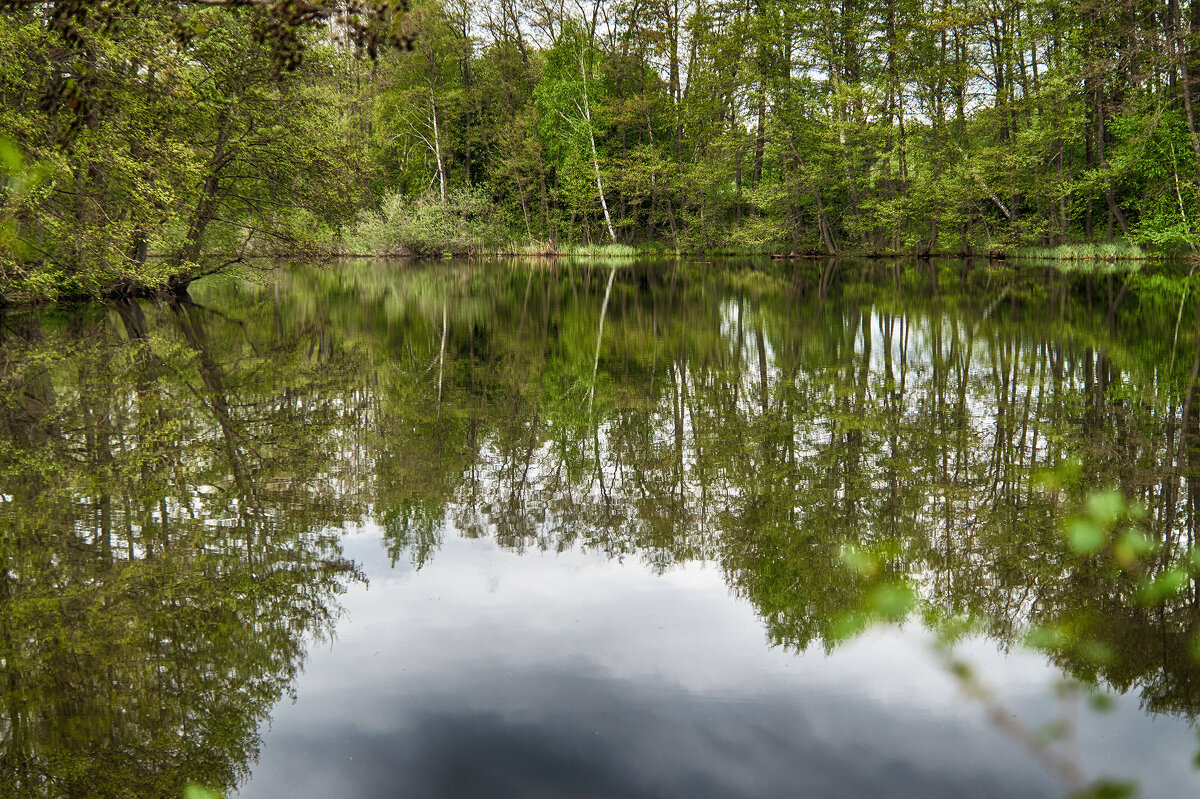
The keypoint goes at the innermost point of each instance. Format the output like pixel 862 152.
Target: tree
pixel 566 97
pixel 165 130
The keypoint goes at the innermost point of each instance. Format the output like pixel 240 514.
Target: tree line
pixel 855 125
pixel 145 143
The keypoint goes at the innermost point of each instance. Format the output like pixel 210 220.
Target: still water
pixel 592 530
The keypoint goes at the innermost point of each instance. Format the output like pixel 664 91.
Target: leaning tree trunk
pixel 587 116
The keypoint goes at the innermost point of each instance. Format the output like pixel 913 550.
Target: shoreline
pixel 177 289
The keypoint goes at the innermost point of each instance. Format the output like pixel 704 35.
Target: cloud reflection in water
pixel 493 674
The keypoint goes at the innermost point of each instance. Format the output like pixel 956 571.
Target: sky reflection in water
pixel 699 445
pixel 490 673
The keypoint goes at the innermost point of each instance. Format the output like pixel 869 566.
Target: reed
pixel 1083 253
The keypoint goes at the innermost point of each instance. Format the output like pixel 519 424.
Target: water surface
pixel 581 529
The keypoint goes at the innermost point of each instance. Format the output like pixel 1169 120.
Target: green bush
pixel 468 223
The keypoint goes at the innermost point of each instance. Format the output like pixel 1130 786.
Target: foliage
pixel 172 138
pixel 882 126
pixel 160 156
pixel 1084 253
pixel 466 223
pixel 165 559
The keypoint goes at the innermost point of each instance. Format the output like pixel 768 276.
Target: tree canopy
pixel 151 141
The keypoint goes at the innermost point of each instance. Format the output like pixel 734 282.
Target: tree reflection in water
pixel 171 487
pixel 176 477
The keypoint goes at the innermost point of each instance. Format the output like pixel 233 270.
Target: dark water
pixel 589 530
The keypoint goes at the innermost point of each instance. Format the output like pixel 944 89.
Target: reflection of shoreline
pixel 167 566
pixel 756 418
pixel 871 427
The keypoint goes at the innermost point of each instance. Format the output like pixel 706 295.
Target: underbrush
pixel 1084 253
pixel 600 250
pixel 467 223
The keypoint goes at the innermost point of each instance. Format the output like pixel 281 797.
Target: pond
pixel 587 528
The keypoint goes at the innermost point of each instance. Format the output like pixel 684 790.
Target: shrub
pixel 468 223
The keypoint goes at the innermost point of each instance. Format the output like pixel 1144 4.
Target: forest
pixel 144 143
pixel 811 311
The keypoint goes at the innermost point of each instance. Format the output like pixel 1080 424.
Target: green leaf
pixel 1107 789
pixel 194 791
pixel 1084 536
pixel 847 626
pixel 1053 731
pixel 1132 546
pixel 1046 638
pixel 1048 479
pixel 1095 652
pixel 962 670
pixel 859 560
pixel 1101 702
pixel 1166 585
pixel 892 600
pixel 1105 506
pixel 11 160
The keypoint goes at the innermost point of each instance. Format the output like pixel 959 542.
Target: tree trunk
pixel 587 116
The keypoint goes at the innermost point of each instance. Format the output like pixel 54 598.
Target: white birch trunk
pixel 587 116
pixel 437 151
